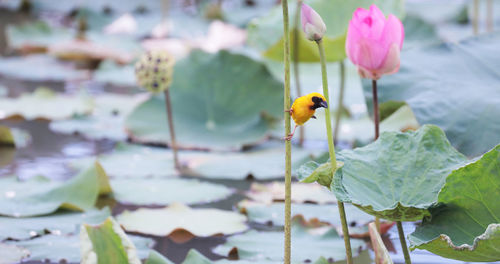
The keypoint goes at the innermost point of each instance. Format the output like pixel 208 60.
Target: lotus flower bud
pixel 154 70
pixel 374 42
pixel 312 24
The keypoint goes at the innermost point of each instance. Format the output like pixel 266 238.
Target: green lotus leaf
pixel 195 257
pixel 307 245
pixel 106 243
pixel 203 222
pixel 398 177
pixel 12 254
pixel 44 103
pixel 40 196
pixel 433 79
pixel 110 72
pixel 418 32
pixel 107 118
pixel 222 100
pixel 60 223
pixel 56 248
pixel 35 35
pixel 466 225
pixel 301 193
pixel 361 131
pixel 40 36
pixel 315 172
pixel 156 258
pixel 40 68
pixel 241 165
pixel 134 161
pixel 274 213
pixel 266 33
pixel 160 191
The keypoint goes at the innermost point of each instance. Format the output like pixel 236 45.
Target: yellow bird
pixel 303 109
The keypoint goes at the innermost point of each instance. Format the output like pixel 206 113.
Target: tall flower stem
pixel 295 45
pixel 288 146
pixel 475 17
pixel 489 15
pixel 403 242
pixel 171 128
pixel 340 101
pixel 376 120
pixel 331 150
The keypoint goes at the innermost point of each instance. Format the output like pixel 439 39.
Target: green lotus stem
pixel 288 144
pixel 489 15
pixel 171 128
pixel 331 149
pixel 296 51
pixel 376 120
pixel 403 242
pixel 340 101
pixel 475 17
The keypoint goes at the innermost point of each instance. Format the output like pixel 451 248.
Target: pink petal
pixel 353 37
pixel 393 32
pixel 392 61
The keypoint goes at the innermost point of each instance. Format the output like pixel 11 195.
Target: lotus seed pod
pixel 154 70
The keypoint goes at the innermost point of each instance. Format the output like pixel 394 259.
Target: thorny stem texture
pixel 288 146
pixel 331 150
pixel 376 120
pixel 403 242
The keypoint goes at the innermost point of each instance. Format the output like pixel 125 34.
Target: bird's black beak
pixel 323 104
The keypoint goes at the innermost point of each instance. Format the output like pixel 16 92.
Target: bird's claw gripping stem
pixel 289 111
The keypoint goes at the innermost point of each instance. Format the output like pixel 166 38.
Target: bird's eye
pixel 316 99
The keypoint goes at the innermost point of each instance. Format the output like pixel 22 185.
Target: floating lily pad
pixel 135 161
pixel 36 36
pixel 301 193
pixel 43 103
pixel 57 248
pixel 40 196
pixel 182 223
pixel 156 258
pixel 159 191
pixel 241 165
pixel 61 42
pixel 275 213
pixel 107 118
pixel 61 223
pixel 111 73
pixel 210 96
pixel 309 244
pixel 266 33
pixel 466 226
pixel 40 68
pixel 106 243
pixel 398 177
pixel 14 137
pixel 195 257
pixel 12 254
pixel 436 83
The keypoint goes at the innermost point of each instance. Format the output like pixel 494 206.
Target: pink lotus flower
pixel 374 42
pixel 312 23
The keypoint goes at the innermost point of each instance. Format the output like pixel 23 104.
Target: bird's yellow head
pixel 316 100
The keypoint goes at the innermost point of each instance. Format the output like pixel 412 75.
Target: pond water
pixel 49 154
